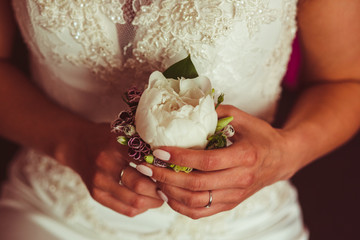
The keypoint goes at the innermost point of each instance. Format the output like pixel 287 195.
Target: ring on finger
pixel 210 200
pixel 121 175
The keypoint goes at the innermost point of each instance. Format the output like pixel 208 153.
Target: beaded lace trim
pixel 254 13
pixel 80 18
pixel 192 26
pixel 176 26
pixel 164 29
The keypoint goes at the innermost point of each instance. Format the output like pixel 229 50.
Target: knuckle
pixel 181 158
pixel 194 215
pixel 196 184
pixel 228 207
pixel 241 194
pixel 248 180
pixel 233 111
pixel 130 212
pixel 93 194
pixel 97 179
pixel 139 186
pixel 208 162
pixel 163 177
pixel 96 194
pixel 101 157
pixel 192 200
pixel 250 157
pixel 138 202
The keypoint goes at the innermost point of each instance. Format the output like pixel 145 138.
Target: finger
pixel 243 121
pixel 196 213
pixel 109 201
pixel 109 164
pixel 110 171
pixel 139 183
pixel 229 110
pixel 202 198
pixel 125 195
pixel 135 200
pixel 216 207
pixel 186 197
pixel 224 110
pixel 201 181
pixel 238 154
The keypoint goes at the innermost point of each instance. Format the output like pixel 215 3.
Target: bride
pixel 64 183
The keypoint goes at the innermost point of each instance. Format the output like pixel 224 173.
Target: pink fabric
pixel 292 74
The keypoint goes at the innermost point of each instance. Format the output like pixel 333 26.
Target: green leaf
pixel 184 68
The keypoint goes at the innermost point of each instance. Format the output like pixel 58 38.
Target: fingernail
pixel 133 165
pixel 161 154
pixel 144 170
pixel 162 196
pixel 154 180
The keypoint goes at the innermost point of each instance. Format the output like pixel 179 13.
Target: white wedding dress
pixel 86 53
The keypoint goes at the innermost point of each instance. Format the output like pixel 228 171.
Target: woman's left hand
pixel 257 158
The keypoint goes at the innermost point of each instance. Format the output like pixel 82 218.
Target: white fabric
pixel 86 53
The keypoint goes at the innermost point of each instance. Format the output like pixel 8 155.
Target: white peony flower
pixel 176 112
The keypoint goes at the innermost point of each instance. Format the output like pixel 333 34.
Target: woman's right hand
pixel 95 155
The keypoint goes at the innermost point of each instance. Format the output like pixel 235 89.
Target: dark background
pixel 329 188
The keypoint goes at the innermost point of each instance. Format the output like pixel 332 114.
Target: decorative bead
pixel 186 23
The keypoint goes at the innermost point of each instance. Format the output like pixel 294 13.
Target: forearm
pixel 30 118
pixel 325 116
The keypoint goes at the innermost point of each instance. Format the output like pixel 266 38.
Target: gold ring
pixel 121 175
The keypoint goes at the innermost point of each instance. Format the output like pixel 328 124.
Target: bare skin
pixel 326 115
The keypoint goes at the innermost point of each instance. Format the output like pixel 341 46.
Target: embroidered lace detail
pixel 172 27
pixel 192 26
pixel 165 29
pixel 81 17
pixel 131 7
pixel 61 190
pixel 282 49
pixel 254 13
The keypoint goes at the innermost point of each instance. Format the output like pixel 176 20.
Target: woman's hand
pixel 31 119
pixel 256 158
pixel 95 154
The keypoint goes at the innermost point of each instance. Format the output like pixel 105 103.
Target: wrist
pixel 68 134
pixel 298 149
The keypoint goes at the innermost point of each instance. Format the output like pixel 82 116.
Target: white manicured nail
pixel 161 154
pixel 132 164
pixel 144 170
pixel 162 196
pixel 154 180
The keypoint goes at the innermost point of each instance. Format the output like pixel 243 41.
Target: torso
pixel 95 49
pixel 86 53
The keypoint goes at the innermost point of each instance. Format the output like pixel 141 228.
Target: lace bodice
pixel 85 53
